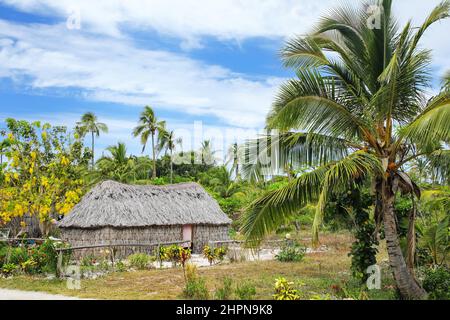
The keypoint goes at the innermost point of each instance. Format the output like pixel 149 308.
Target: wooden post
pixel 158 255
pixel 59 271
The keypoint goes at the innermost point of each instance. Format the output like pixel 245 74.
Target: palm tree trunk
pixel 93 143
pixel 406 282
pixel 171 166
pixel 154 156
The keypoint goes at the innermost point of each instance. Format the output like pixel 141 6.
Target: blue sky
pixel 213 62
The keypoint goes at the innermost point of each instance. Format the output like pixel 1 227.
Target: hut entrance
pixel 187 233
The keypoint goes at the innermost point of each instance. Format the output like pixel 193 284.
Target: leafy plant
pixel 284 290
pixel 291 252
pixel 195 287
pixel 435 239
pixel 139 261
pixel 437 282
pixel 8 269
pixel 214 255
pixel 245 291
pixel 225 292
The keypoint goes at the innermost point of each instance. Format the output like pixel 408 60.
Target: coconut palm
pixel 207 153
pixel 89 124
pixel 149 126
pixel 117 165
pixel 368 98
pixel 168 142
pixel 234 155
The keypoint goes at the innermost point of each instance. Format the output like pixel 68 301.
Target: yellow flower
pixel 31 170
pixel 23 224
pixel 16 176
pixel 33 155
pixel 10 136
pixel 65 161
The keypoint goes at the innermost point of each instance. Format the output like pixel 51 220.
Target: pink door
pixel 187 233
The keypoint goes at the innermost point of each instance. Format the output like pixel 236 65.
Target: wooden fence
pixel 112 246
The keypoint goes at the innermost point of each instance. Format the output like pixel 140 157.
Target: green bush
pixel 9 269
pixel 226 291
pixel 196 289
pixel 35 258
pixel 245 291
pixel 18 255
pixel 291 252
pixel 437 283
pixel 139 261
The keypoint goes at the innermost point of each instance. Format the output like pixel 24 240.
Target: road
pixel 7 294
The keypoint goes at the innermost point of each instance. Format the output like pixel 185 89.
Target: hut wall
pixel 154 234
pixel 204 233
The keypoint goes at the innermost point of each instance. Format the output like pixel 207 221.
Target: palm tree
pixel 207 153
pixel 89 124
pixel 117 166
pixel 167 141
pixel 234 155
pixel 367 98
pixel 149 126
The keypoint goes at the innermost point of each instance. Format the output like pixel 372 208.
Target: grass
pixel 315 275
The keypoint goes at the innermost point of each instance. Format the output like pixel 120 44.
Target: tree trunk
pixel 93 143
pixel 405 281
pixel 154 156
pixel 171 166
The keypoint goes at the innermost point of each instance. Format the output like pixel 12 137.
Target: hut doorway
pixel 187 233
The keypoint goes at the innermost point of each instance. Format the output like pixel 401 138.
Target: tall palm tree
pixel 234 155
pixel 149 126
pixel 168 141
pixel 89 124
pixel 367 98
pixel 207 153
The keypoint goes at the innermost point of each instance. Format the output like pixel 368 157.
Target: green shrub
pixel 437 283
pixel 9 269
pixel 245 291
pixel 291 252
pixel 195 287
pixel 139 261
pixel 18 255
pixel 284 291
pixel 214 255
pixel 120 266
pixel 226 291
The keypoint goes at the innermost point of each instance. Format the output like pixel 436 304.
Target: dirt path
pixel 7 294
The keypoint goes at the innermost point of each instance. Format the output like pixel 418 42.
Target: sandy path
pixel 7 294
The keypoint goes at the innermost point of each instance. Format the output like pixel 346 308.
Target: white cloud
pixel 114 70
pixel 187 19
pixel 103 60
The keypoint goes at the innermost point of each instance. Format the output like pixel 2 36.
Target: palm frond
pixel 265 214
pixel 432 124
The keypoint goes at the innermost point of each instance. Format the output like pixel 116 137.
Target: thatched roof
pixel 113 204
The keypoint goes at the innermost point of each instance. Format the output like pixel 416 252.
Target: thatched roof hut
pixel 116 212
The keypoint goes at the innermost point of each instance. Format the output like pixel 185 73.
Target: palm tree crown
pixel 168 141
pixel 89 124
pixel 148 127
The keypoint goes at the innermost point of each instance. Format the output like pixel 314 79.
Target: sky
pixel 209 68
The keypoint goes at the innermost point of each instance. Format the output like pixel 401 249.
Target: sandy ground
pixel 6 294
